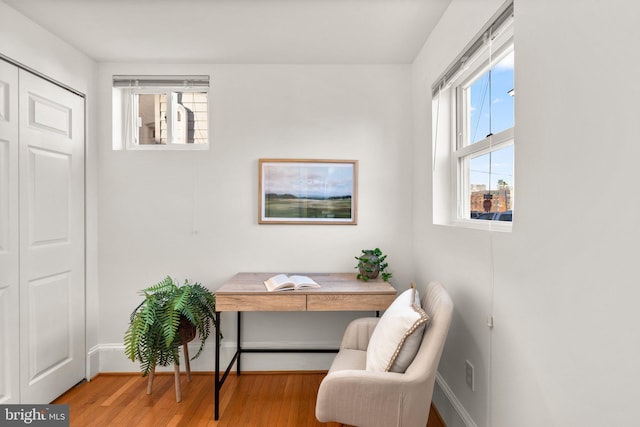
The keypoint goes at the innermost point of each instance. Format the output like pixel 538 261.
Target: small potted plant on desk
pixel 169 316
pixel 371 263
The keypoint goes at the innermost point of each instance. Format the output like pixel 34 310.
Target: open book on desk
pixel 282 282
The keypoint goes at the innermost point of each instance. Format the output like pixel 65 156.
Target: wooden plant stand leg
pixel 187 365
pixel 150 380
pixel 176 371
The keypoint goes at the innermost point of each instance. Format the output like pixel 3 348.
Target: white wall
pixel 27 43
pixel 565 345
pixel 194 214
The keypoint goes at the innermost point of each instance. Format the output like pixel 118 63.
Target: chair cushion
pixel 397 336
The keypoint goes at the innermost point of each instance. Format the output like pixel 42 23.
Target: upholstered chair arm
pixel 365 398
pixel 358 332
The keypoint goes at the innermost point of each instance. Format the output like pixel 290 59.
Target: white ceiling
pixel 240 31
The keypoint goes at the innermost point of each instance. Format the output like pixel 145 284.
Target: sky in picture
pixel 492 111
pixel 308 179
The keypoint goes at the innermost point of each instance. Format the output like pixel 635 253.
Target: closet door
pixel 51 158
pixel 9 246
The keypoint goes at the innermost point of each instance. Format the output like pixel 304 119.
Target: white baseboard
pixel 455 403
pixel 111 358
pixel 93 362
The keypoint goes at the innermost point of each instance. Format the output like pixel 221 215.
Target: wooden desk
pixel 337 292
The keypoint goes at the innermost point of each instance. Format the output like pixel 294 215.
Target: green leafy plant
pixel 153 337
pixel 371 263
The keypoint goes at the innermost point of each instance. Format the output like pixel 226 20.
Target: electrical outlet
pixel 469 377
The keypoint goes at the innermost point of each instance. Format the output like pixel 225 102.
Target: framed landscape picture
pixel 299 191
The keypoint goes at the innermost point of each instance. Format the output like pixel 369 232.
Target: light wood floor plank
pixel 120 392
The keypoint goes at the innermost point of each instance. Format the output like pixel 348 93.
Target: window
pixel 161 112
pixel 473 107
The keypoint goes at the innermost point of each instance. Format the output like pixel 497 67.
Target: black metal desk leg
pixel 238 347
pixel 216 403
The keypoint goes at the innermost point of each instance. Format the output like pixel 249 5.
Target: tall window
pixel 475 99
pixel 161 111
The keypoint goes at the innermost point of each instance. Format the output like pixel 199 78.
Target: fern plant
pixel 153 337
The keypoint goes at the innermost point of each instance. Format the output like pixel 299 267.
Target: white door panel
pixel 49 196
pixel 7 170
pixel 49 115
pixel 51 158
pixel 9 243
pixel 50 342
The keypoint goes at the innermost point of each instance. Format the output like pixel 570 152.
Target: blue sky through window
pixel 491 110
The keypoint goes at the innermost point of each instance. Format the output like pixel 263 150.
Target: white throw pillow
pixel 395 341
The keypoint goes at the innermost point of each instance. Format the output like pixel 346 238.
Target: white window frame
pixel 463 150
pixel 125 110
pixel 449 106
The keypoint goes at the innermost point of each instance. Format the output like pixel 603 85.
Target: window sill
pixel 173 147
pixel 481 224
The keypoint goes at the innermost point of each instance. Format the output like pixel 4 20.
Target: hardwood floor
pixel 253 399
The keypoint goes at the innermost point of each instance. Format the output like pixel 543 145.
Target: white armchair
pixel 352 395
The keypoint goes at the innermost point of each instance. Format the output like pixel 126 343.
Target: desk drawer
pixel 349 302
pixel 261 302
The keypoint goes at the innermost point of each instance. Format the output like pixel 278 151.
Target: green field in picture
pixel 287 206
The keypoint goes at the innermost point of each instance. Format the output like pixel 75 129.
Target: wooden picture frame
pixel 307 191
